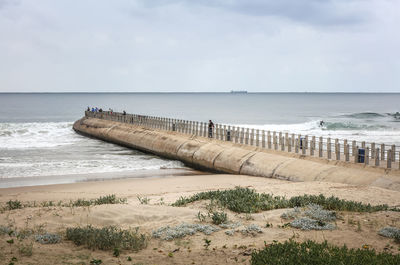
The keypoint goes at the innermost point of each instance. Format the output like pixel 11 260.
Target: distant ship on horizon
pixel 239 91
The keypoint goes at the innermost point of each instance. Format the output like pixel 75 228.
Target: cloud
pixel 313 12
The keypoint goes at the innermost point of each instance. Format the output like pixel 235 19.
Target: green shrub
pixel 108 199
pixel 310 252
pixel 219 218
pixel 245 200
pixel 107 238
pixel 12 205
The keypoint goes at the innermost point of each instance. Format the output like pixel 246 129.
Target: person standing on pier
pixel 210 129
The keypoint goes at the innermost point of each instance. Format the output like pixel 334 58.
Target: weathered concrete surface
pixel 228 157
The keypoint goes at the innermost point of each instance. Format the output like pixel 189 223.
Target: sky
pixel 199 45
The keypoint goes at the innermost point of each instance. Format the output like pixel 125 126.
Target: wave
pixel 364 115
pixel 35 135
pixel 353 126
pixel 372 115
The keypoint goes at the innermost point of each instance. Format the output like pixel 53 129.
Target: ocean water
pixel 36 136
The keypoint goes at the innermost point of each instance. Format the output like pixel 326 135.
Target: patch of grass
pixel 13 205
pixel 310 252
pixel 107 238
pixel 108 199
pixel 245 200
pixel 48 238
pixel 182 230
pixel 143 200
pixel 25 249
pixel 219 218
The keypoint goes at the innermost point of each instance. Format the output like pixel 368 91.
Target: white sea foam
pixel 343 130
pixel 53 148
pixel 35 135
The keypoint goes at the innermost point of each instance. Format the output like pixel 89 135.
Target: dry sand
pixel 354 229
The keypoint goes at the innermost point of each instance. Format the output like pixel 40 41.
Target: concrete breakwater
pixel 236 158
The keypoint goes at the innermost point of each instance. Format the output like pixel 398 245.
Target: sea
pixel 37 139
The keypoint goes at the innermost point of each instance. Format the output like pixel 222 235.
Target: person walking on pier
pixel 210 129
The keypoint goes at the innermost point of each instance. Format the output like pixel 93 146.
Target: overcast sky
pixel 200 45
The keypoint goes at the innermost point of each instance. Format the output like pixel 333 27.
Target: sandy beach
pixel 353 229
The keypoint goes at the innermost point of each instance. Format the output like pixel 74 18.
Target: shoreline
pixel 16 182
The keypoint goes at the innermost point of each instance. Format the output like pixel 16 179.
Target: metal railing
pixel 372 154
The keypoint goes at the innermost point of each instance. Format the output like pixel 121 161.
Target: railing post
pixel 229 137
pixel 263 139
pixel 286 138
pixel 393 153
pixel 363 144
pixel 289 145
pixel 320 147
pixel 293 138
pixel 356 156
pixel 338 151
pixel 389 159
pixel 328 148
pixel 296 148
pixel 269 139
pixel 242 135
pixel 366 158
pixel 382 151
pixel 353 146
pixel 347 151
pixel 252 137
pixel 224 134
pixel 246 140
pixel 373 150
pixel 274 139
pixel 377 157
pixel 303 147
pixel 257 137
pixel 237 132
pixel 282 143
pixel 313 142
pixel 305 142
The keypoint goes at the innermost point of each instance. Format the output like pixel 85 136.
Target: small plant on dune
pixel 202 217
pixel 108 199
pixel 13 204
pixel 219 218
pixel 207 243
pixel 96 262
pixel 143 200
pixel 107 238
pixel 310 252
pixel 25 249
pixel 391 232
pixel 48 238
pixel 169 233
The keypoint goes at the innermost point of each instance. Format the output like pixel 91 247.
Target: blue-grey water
pixel 36 136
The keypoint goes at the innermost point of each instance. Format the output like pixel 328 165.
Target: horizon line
pixel 196 92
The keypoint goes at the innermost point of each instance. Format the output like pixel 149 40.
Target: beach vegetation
pixel 207 243
pixel 219 217
pixel 391 232
pixel 48 238
pixel 252 229
pixel 13 204
pixel 245 200
pixel 25 249
pixel 96 262
pixel 143 200
pixel 201 216
pixel 108 199
pixel 310 252
pixel 169 233
pixel 311 217
pixel 107 238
